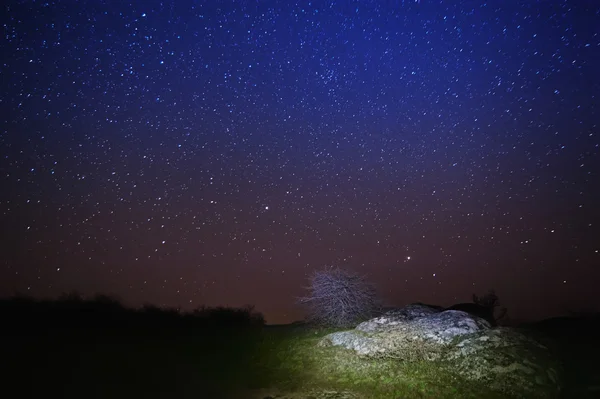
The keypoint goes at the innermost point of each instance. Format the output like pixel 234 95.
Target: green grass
pixel 292 361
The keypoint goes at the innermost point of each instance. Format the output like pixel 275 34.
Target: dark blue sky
pixel 185 153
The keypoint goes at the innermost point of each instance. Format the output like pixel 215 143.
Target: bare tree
pixel 339 298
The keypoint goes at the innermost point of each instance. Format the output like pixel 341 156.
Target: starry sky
pixel 183 153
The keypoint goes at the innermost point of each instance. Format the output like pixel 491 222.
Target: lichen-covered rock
pixel 401 345
pixel 361 344
pixel 394 317
pixel 444 326
pixel 504 359
pixel 507 361
pixel 406 338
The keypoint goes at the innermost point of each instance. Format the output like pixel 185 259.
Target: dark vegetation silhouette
pixel 491 302
pixel 75 347
pixel 339 298
pixel 71 310
pixel 484 306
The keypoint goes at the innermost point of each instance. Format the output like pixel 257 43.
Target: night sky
pixel 185 153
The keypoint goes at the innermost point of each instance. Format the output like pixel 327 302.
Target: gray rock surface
pixel 412 334
pixel 397 316
pixel 505 359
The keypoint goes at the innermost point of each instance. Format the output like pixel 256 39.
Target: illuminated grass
pixel 293 362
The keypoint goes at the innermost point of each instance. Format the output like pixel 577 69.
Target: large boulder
pixel 507 361
pixel 442 327
pixel 409 334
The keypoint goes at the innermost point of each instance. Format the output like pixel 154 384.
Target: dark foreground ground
pixel 576 341
pixel 112 358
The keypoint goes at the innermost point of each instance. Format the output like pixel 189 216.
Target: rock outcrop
pixel 505 359
pixel 397 316
pixel 412 333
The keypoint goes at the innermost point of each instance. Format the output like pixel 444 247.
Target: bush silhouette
pixel 483 306
pixel 73 312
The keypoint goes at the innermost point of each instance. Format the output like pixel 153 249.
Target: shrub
pixel 339 298
pixel 490 301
